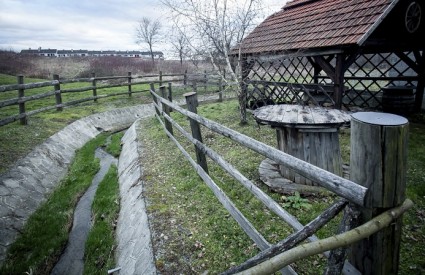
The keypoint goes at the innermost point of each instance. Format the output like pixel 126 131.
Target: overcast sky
pixel 79 24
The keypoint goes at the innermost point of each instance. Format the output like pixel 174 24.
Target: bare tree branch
pixel 218 25
pixel 148 31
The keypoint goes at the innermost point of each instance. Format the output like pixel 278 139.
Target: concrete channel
pixel 26 185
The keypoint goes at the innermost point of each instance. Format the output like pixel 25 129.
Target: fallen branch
pixel 292 240
pixel 341 240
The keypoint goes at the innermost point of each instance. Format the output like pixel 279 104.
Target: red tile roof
pixel 304 24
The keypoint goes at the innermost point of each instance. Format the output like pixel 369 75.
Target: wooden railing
pixel 365 197
pixel 128 82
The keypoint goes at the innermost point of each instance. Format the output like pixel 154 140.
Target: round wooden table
pixel 307 133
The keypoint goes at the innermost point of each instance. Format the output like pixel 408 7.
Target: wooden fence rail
pixel 354 193
pixel 58 90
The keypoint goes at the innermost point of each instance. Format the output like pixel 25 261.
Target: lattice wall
pixel 363 80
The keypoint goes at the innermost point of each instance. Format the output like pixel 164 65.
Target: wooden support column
pixel 378 161
pixel 417 65
pixel 339 81
pixel 343 62
pixel 246 67
pixel 192 104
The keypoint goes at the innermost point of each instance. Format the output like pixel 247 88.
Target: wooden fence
pixel 204 79
pixel 377 202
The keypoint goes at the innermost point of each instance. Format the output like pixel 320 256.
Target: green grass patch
pixel 46 232
pixel 16 140
pixel 100 245
pixel 114 145
pixel 192 232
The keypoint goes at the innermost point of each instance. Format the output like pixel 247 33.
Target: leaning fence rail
pixel 354 193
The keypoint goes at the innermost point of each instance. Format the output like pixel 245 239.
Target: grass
pixel 16 140
pixel 46 232
pixel 192 233
pixel 100 245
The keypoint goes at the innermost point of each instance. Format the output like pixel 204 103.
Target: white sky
pixel 80 24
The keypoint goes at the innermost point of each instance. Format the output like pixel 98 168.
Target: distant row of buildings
pixel 85 53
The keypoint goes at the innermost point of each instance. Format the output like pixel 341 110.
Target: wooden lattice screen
pixel 290 79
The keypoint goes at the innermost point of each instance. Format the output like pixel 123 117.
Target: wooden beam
pixel 326 66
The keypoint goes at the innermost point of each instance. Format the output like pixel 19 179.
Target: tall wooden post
pixel 378 161
pixel 58 94
pixel 205 80
pixel 93 75
pixel 21 94
pixel 170 92
pixel 160 78
pixel 185 78
pixel 158 113
pixel 129 83
pixel 220 91
pixel 166 110
pixel 192 104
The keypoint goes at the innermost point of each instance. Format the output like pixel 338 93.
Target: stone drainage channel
pixel 72 260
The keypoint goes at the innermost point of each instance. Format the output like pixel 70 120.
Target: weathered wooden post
pixel 93 75
pixel 170 94
pixel 160 78
pixel 166 110
pixel 379 161
pixel 220 91
pixel 192 104
pixel 155 100
pixel 129 83
pixel 21 93
pixel 185 78
pixel 58 94
pixel 205 80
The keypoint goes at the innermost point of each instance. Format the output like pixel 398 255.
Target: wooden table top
pixel 284 115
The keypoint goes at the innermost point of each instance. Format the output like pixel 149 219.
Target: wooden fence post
pixel 21 94
pixel 160 78
pixel 58 94
pixel 129 83
pixel 378 161
pixel 192 104
pixel 166 109
pixel 220 91
pixel 170 94
pixel 155 100
pixel 205 80
pixel 185 78
pixel 93 75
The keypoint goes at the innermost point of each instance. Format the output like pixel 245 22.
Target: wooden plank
pixel 27 86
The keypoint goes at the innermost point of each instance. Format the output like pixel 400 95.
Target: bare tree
pixel 180 43
pixel 148 31
pixel 219 25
